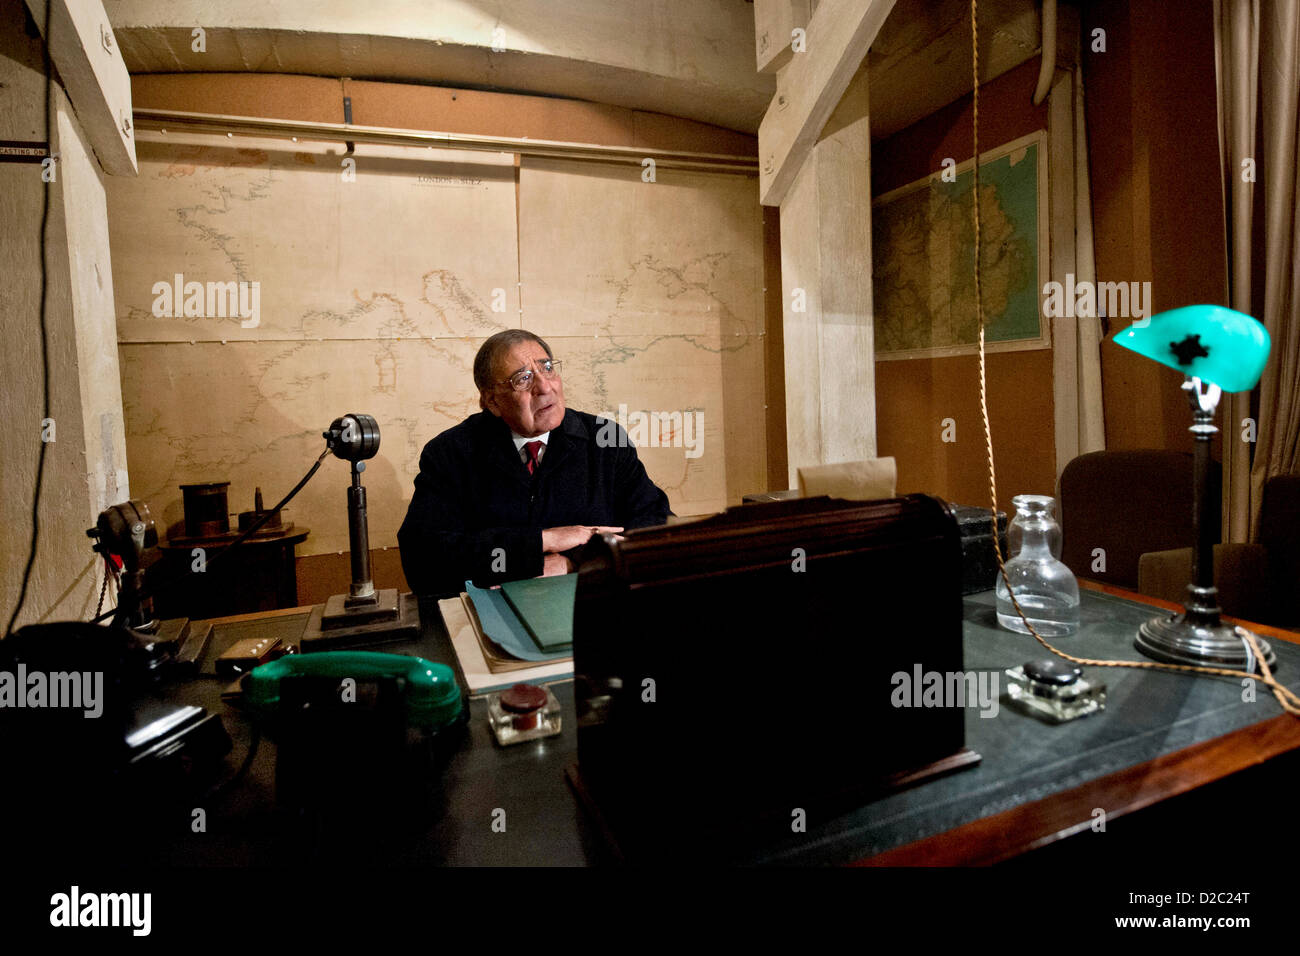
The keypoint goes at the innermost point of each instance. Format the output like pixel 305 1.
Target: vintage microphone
pixel 364 614
pixel 355 438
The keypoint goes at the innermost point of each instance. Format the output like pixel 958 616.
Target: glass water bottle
pixel 1046 589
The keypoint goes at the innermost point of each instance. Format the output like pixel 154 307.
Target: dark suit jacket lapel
pixel 564 441
pixel 500 450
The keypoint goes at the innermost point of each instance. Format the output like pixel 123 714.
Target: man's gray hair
pixel 485 360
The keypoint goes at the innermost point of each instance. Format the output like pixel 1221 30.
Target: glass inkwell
pixel 523 712
pixel 1054 690
pixel 1045 588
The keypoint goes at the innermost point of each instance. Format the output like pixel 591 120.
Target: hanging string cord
pixel 1289 701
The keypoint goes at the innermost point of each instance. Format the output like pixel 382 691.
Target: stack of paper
pixel 499 638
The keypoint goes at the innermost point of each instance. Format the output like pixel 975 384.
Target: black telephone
pixel 91 750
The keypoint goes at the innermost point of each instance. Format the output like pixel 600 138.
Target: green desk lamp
pixel 1219 350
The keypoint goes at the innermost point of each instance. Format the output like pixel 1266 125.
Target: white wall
pixel 85 465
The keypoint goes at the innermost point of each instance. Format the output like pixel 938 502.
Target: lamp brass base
pixel 1198 637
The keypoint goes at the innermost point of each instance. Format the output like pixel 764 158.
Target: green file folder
pixel 545 606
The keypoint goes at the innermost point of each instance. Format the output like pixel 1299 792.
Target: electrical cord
pixel 103 588
pixel 1287 698
pixel 45 344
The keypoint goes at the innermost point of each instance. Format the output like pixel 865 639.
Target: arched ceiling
pixel 690 58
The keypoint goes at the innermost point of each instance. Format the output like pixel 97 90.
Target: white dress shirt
pixel 520 441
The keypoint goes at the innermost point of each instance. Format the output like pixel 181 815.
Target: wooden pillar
pixel 826 281
pixel 82 434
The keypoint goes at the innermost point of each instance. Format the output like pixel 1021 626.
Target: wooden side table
pixel 263 576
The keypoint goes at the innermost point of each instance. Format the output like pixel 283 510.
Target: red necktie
pixel 533 448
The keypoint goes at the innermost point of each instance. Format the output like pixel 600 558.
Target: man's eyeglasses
pixel 522 380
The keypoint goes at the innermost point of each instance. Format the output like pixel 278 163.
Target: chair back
pixel 1126 503
pixel 1279 533
pixel 867 480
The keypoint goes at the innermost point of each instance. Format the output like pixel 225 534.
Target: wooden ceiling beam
pixel 810 87
pixel 85 53
pixel 774 24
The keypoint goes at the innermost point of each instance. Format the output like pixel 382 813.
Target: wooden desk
pixel 1028 808
pixel 1039 823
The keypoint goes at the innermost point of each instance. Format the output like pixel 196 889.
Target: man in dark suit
pixel 516 490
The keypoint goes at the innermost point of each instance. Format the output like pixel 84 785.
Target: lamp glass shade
pixel 1219 346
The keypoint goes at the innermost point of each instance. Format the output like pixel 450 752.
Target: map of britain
pixel 923 241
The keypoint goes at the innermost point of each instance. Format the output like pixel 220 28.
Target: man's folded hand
pixel 570 536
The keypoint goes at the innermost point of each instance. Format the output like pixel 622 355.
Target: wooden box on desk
pixel 733 670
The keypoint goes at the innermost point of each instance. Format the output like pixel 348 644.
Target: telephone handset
pixel 432 699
